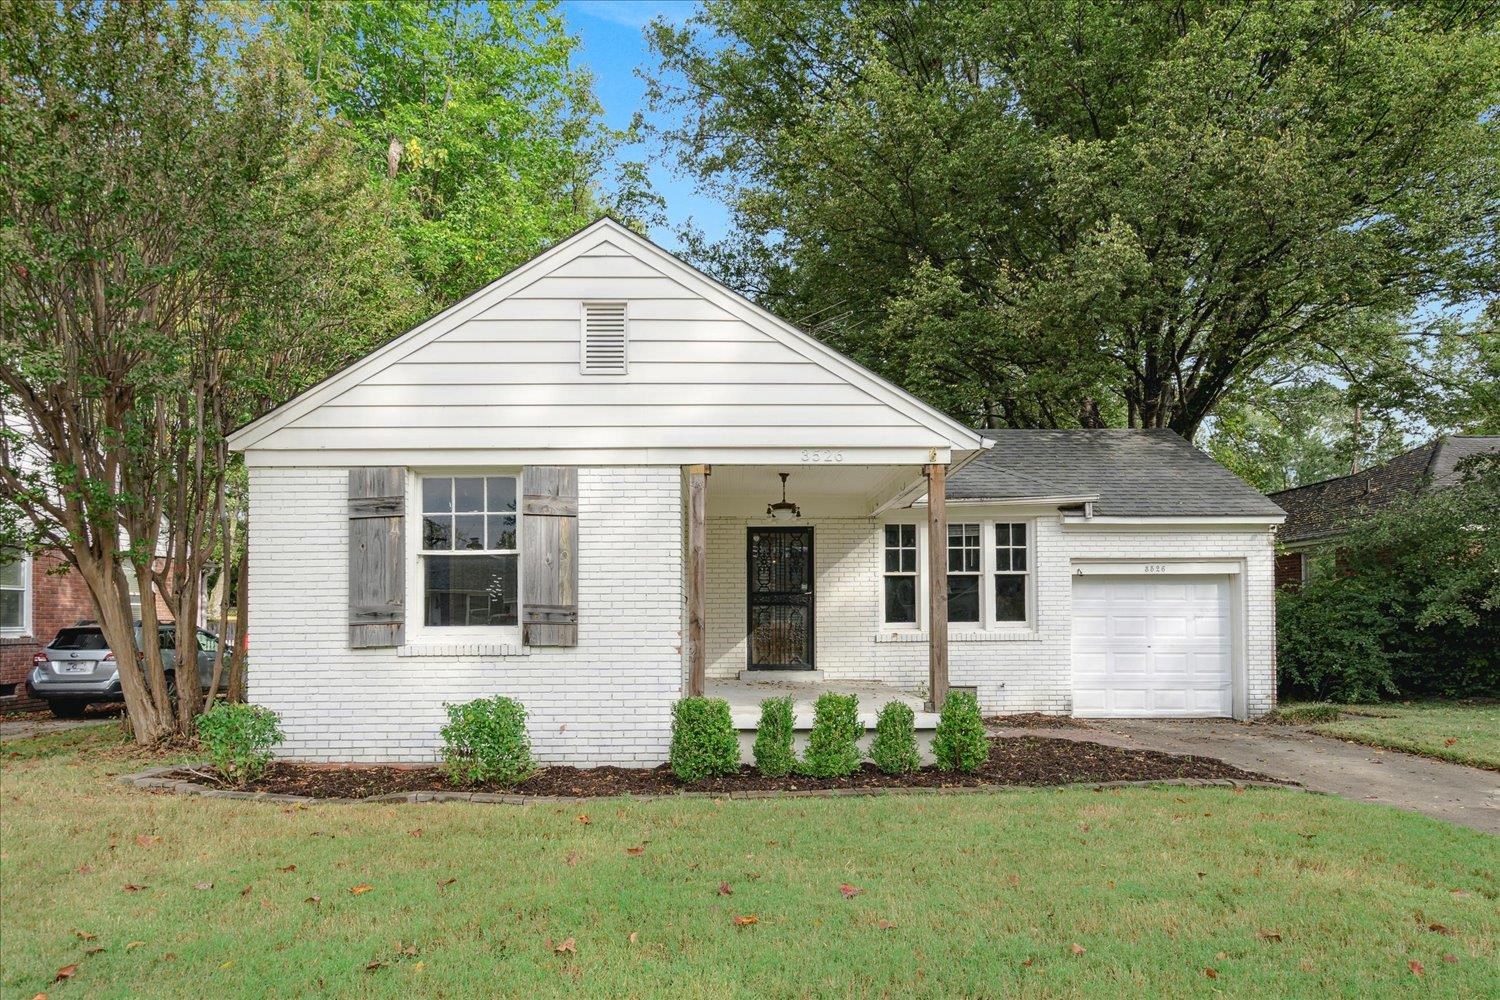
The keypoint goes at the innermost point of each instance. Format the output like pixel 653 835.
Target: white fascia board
pixel 788 458
pixel 1072 521
pixel 607 230
pixel 418 336
pixel 914 491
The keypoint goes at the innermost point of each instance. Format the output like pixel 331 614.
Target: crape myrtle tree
pixel 1046 212
pixel 187 240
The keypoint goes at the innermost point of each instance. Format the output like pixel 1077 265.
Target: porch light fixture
pixel 783 510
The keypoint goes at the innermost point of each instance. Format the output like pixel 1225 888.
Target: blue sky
pixel 613 48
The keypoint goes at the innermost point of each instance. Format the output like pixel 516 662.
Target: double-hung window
pixel 15 584
pixel 900 583
pixel 1012 570
pixel 469 551
pixel 964 555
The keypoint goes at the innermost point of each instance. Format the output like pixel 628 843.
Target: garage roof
pixel 1134 473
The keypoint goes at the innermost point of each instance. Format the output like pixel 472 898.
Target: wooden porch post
pixel 697 572
pixel 937 585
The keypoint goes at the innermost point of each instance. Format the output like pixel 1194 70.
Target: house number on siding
pixel 1156 567
pixel 821 455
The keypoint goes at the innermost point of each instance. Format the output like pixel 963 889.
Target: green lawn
pixel 1275 893
pixel 1467 732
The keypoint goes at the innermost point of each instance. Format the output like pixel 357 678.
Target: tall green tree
pixel 186 241
pixel 476 116
pixel 1041 212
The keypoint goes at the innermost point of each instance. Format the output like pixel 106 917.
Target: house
pixel 605 481
pixel 1318 514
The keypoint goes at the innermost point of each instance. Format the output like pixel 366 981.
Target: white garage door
pixel 1151 647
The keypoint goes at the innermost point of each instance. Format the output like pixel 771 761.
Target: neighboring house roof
pixel 1133 473
pixel 1320 510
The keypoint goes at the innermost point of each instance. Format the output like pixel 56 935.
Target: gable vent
pixel 603 338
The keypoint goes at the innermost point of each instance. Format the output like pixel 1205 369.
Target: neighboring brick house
pixel 40 594
pixel 1319 513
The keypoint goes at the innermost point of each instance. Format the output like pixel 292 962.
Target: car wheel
pixel 68 709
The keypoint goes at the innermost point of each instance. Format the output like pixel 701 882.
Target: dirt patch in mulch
pixel 1025 760
pixel 1036 720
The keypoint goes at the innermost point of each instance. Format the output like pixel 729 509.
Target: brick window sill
pixel 965 635
pixel 450 649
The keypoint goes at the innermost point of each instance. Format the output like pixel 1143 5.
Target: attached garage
pixel 1153 644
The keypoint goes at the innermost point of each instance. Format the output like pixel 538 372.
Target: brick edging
pixel 155 779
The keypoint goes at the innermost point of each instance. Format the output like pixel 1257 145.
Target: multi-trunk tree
pixel 1045 212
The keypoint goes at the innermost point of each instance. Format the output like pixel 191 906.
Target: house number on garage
pixel 821 455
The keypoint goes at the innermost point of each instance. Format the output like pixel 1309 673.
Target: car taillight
pixel 39 660
pixel 108 657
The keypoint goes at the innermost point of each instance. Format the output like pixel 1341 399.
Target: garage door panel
pixel 1144 647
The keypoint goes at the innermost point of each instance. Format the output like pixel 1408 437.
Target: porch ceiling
pixel 820 489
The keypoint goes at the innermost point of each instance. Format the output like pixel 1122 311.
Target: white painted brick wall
pixel 1019 672
pixel 607 700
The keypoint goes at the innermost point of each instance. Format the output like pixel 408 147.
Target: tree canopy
pixel 1046 212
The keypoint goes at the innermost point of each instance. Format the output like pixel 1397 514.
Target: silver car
pixel 78 668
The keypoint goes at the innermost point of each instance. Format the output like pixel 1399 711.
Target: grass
pixel 1273 892
pixel 1465 732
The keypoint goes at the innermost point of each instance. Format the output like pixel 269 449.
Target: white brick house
pixel 562 488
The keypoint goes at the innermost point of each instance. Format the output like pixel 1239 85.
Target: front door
pixel 780 590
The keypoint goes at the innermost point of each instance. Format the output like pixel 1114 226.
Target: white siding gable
pixel 502 377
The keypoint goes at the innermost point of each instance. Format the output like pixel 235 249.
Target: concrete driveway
pixel 1469 796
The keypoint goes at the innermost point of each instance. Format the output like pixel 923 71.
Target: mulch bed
pixel 1026 760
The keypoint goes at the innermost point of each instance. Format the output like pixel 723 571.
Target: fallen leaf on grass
pixel 66 972
pixel 1211 973
pixel 565 947
pixel 418 966
pixel 96 949
pixel 725 889
pixel 374 964
pixel 1013 880
pixel 445 883
pixel 361 889
pixel 227 965
pixel 746 919
pixel 414 833
pixel 885 925
pixel 246 891
pixel 634 937
pixel 132 887
pixel 288 868
pixel 850 891
pixel 203 886
pixel 1077 948
pixel 571 859
pixel 1450 958
pixel 1415 967
pixel 313 899
pixel 633 851
pixel 1265 935
pixel 1028 963
pixel 40 996
pixel 1440 929
pixel 132 945
pixel 147 839
pixel 84 935
pixel 84 870
pixel 1450 741
pixel 584 819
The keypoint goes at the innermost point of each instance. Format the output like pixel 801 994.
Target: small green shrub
pixel 833 744
pixel 894 749
pixel 959 743
pixel 239 739
pixel 704 741
pixel 773 738
pixel 485 740
pixel 1318 712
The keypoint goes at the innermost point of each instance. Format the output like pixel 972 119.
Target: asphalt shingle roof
pixel 1320 509
pixel 1134 473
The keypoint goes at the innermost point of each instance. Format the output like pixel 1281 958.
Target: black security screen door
pixel 780 593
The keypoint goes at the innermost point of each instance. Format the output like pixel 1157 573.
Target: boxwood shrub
pixel 833 744
pixel 239 739
pixel 773 738
pixel 704 741
pixel 959 743
pixel 486 740
pixel 894 749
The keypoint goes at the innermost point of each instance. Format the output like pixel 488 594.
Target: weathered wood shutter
pixel 549 555
pixel 377 557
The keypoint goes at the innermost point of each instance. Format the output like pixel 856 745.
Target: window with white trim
pixel 15 595
pixel 900 584
pixel 469 552
pixel 1012 573
pixel 965 555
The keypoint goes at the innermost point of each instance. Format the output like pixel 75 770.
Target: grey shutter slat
pixel 377 557
pixel 549 555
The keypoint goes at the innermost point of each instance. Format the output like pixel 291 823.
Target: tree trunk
pixel 227 580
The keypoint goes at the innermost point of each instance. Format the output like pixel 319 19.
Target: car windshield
pixel 80 638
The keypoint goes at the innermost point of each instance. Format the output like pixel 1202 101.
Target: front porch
pixel 745 696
